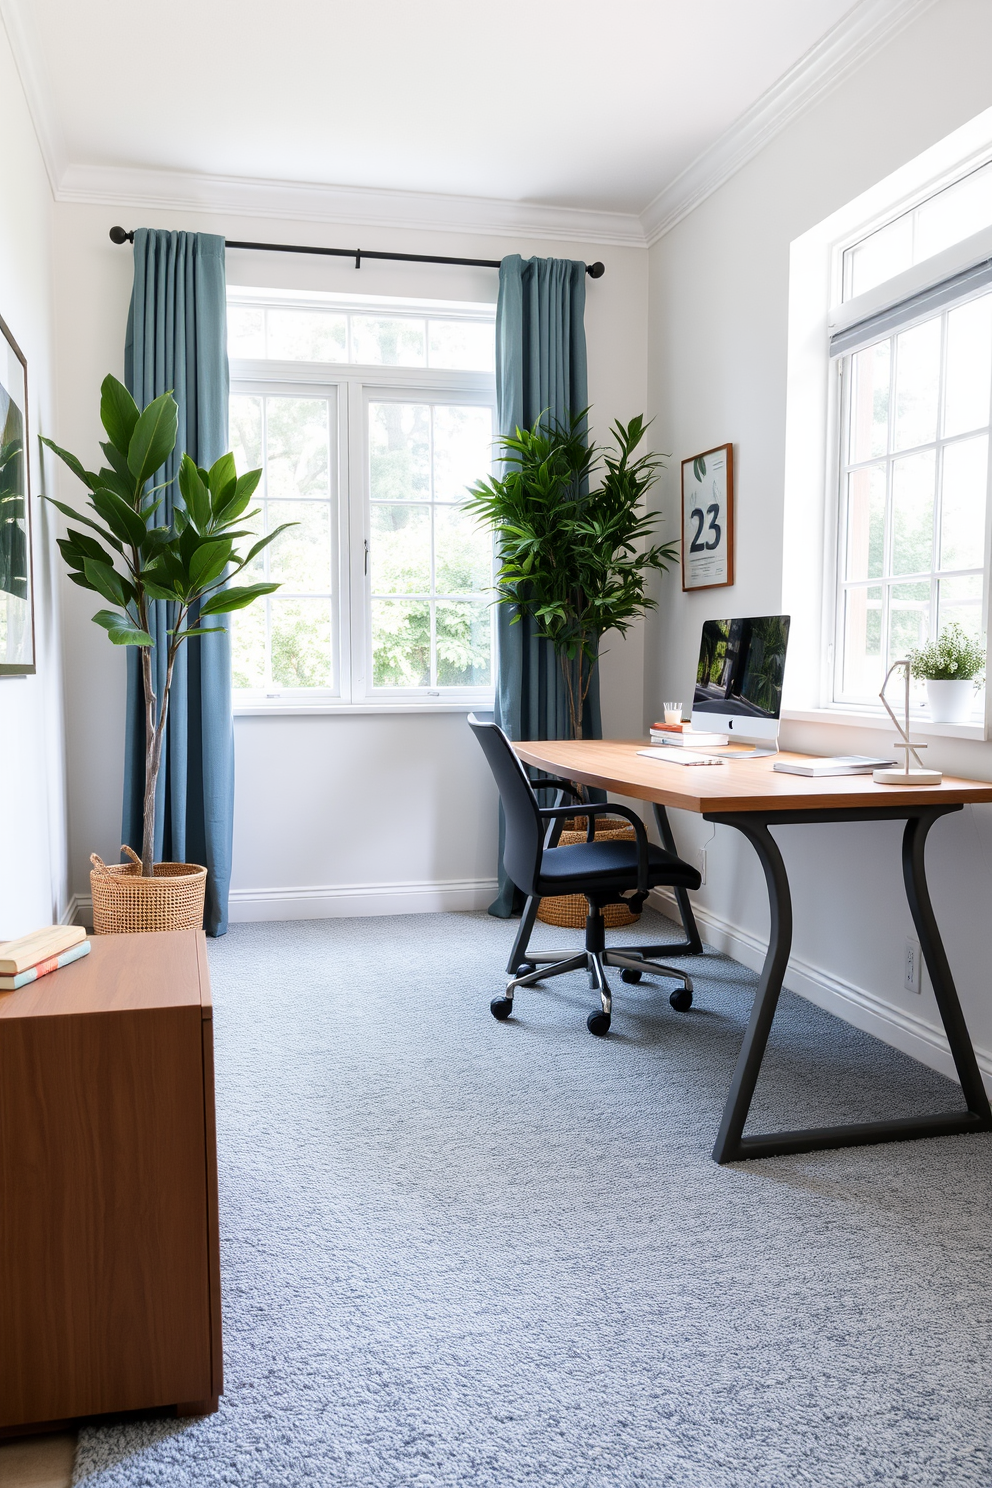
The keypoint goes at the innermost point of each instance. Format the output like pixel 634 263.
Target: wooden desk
pixel 751 796
pixel 109 1258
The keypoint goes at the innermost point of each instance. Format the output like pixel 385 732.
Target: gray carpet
pixel 462 1252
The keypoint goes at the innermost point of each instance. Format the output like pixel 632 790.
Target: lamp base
pixel 895 776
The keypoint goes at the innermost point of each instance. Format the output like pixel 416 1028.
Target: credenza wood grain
pixel 109 1257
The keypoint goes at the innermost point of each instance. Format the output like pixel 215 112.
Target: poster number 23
pixel 708 519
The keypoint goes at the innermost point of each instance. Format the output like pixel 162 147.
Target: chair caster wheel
pixel 630 975
pixel 501 1008
pixel 598 1023
pixel 525 968
pixel 681 999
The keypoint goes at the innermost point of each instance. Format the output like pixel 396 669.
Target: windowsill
pixel 291 708
pixel 876 719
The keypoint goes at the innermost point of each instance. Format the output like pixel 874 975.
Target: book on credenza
pixel 27 950
pixel 835 764
pixel 685 737
pixel 42 968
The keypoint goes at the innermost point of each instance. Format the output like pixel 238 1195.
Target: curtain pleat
pixel 540 366
pixel 177 341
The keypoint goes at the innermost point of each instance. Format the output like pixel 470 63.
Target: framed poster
pixel 16 589
pixel 708 519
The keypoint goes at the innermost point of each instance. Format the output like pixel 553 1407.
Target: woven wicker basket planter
pixel 569 910
pixel 124 903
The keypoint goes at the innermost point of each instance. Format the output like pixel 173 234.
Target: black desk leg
pixel 731 1144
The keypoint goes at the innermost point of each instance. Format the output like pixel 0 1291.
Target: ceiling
pixel 566 103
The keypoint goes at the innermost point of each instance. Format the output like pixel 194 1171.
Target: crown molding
pixel 28 57
pixel 132 187
pixel 856 37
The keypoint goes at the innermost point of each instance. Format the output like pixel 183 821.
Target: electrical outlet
pixel 911 969
pixel 702 865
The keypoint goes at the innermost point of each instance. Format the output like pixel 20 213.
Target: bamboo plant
pixel 134 560
pixel 576 560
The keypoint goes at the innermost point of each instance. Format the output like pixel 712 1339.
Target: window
pixel 914 475
pixel 369 420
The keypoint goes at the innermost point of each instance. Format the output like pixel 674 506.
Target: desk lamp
pixel 905 776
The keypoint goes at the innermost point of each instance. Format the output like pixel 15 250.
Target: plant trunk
pixel 154 740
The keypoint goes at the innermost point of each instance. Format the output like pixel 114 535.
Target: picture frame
pixel 708 519
pixel 17 648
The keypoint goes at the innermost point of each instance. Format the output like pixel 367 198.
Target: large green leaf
pixel 209 562
pixel 121 518
pixel 154 437
pixel 264 541
pixel 223 481
pixel 235 599
pixel 87 477
pixel 194 492
pixel 117 460
pixel 122 629
pixel 105 580
pixel 118 413
pixel 67 511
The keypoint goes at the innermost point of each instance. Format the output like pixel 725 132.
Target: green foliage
pixel 13 527
pixel 576 560
pixel 135 559
pixel 953 657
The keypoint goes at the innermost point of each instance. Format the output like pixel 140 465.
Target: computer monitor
pixel 739 677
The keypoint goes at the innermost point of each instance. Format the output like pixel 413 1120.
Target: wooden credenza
pixel 109 1256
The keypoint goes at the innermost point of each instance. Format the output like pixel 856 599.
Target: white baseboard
pixel 911 1035
pixel 337 900
pixel 78 911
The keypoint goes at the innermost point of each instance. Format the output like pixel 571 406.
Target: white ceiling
pixel 585 103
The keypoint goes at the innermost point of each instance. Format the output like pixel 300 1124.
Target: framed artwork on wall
pixel 16 584
pixel 708 519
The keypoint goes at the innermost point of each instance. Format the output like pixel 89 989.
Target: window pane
pixel 307 336
pixel 247 629
pixel 468 344
pixel 246 432
pixel 865 522
pixel 870 402
pixel 969 361
pixel 960 600
pixel 401 549
pixel 390 343
pixel 301 642
pixel 301 557
pixel 297 447
pixel 962 516
pixel 399 451
pixel 953 214
pixel 917 383
pixel 912 513
pixel 863 670
pixel 401 643
pixel 462 449
pixel 878 257
pixel 909 617
pixel 463 553
pixel 463 644
pixel 245 332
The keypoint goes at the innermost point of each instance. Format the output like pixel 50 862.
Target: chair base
pixel 594 961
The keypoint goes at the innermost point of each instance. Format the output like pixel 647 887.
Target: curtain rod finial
pixel 596 270
pixel 118 235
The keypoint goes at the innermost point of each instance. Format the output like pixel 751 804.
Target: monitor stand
pixel 756 751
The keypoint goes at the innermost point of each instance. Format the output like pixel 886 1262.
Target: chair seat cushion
pixel 609 865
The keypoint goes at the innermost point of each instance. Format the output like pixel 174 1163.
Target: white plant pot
pixel 951 702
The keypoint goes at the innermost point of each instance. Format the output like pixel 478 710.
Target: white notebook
pixel 836 764
pixel 679 757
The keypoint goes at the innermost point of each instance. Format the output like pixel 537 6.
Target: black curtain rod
pixel 595 270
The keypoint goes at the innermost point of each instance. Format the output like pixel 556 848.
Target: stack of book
pixel 35 955
pixel 683 733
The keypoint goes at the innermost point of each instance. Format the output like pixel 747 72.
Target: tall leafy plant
pixel 576 559
pixel 132 561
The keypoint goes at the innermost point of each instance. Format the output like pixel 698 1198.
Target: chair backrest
pixel 524 827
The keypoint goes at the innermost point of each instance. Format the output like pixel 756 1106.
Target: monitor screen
pixel 741 667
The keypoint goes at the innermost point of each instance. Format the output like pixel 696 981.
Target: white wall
pixel 717 360
pixel 333 815
pixel 32 783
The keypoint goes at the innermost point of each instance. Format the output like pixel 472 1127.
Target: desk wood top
pixel 122 973
pixel 737 785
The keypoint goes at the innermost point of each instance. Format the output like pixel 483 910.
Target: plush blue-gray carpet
pixel 457 1252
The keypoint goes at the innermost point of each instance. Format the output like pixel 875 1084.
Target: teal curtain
pixel 177 340
pixel 540 367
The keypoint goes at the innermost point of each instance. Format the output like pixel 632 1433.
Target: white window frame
pixel 814 418
pixel 353 385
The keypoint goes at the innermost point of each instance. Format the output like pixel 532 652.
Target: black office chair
pixel 605 872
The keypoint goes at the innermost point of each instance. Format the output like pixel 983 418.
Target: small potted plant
pixel 953 667
pixel 121 550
